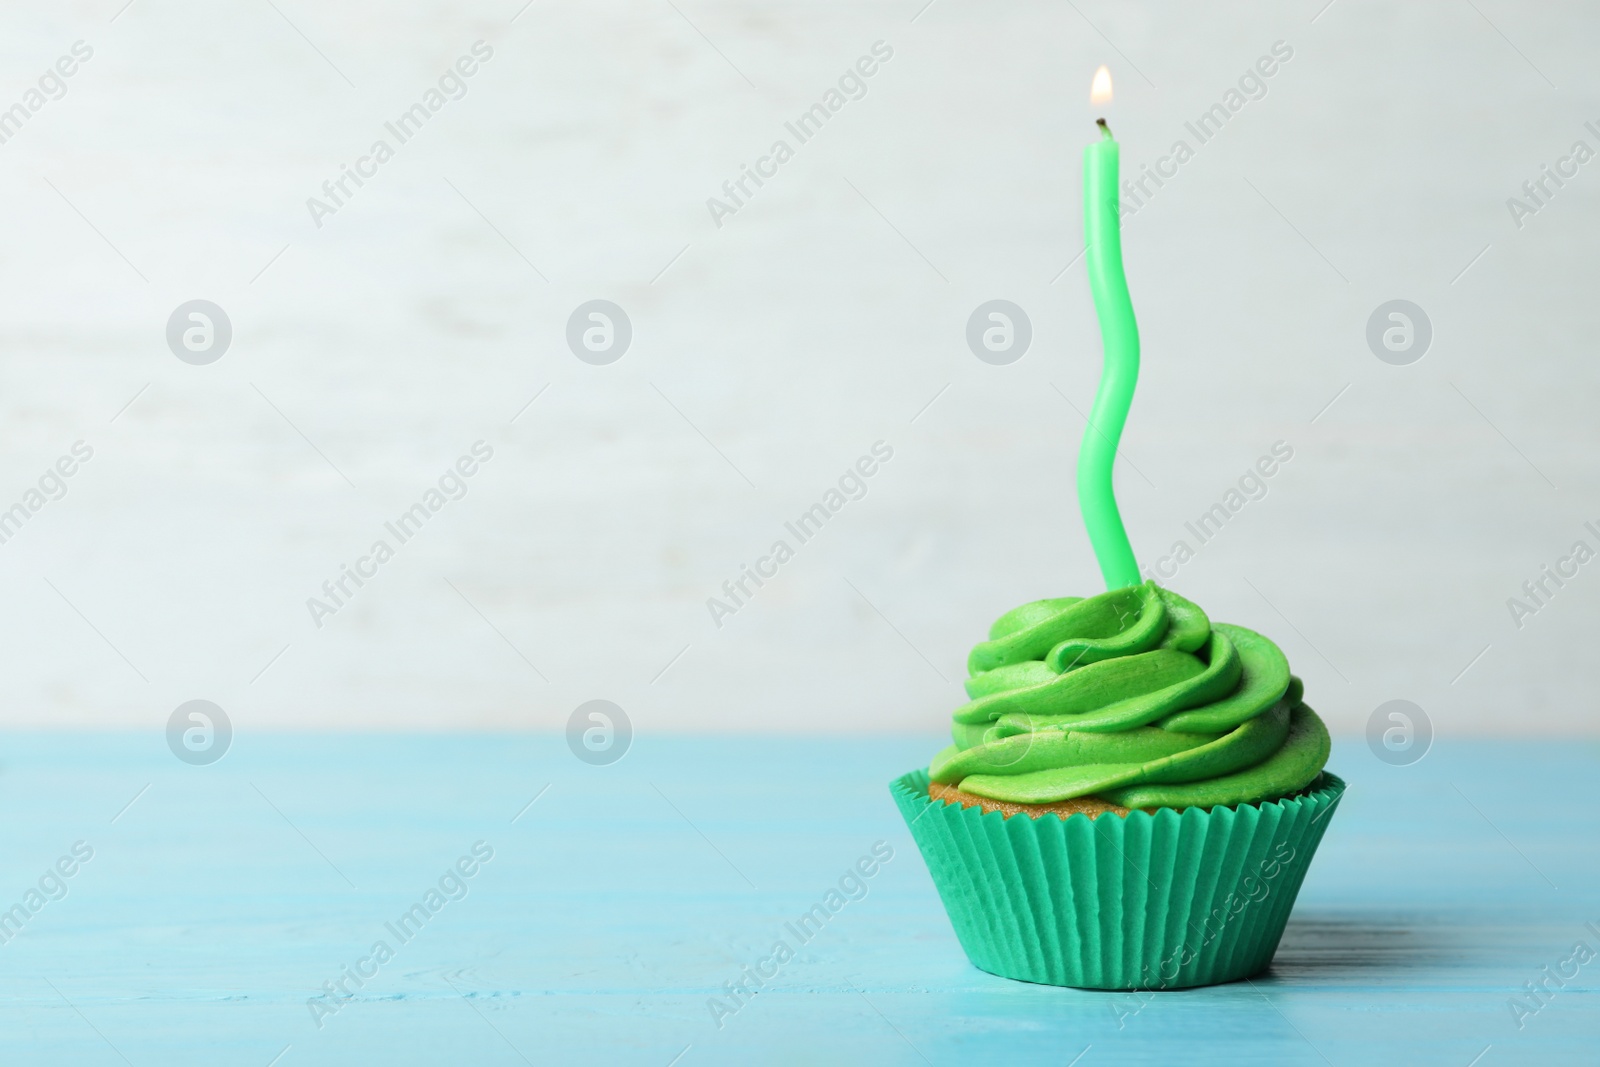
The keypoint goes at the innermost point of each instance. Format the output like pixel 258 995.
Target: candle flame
pixel 1100 89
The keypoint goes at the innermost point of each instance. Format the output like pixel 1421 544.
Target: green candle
pixel 1119 334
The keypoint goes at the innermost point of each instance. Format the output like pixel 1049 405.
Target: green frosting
pixel 1133 696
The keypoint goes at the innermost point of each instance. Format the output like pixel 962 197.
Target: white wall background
pixel 822 317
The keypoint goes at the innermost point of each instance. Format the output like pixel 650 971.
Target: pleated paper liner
pixel 1167 900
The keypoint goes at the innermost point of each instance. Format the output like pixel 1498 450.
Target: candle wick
pixel 1105 131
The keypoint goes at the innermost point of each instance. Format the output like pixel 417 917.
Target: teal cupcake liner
pixel 1150 901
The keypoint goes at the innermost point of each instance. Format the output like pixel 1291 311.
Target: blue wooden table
pixel 535 909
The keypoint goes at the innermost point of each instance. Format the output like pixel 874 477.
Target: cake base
pixel 1090 806
pixel 1160 900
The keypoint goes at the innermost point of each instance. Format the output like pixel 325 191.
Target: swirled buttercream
pixel 1133 696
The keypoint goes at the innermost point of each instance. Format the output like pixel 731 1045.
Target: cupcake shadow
pixel 1324 947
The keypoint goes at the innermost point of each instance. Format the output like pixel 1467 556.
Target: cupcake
pixel 1132 799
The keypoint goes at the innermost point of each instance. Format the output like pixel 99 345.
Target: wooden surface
pixel 219 901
